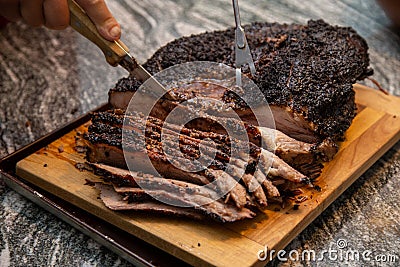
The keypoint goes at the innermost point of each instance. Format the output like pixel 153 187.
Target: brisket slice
pixel 305 72
pixel 101 150
pixel 115 201
pixel 105 146
pixel 109 123
pixel 200 199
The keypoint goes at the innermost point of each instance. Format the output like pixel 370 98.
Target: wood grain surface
pixel 371 134
pixel 49 77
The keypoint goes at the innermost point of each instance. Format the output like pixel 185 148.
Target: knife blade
pixel 116 53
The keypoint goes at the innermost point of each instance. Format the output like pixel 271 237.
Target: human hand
pixel 54 14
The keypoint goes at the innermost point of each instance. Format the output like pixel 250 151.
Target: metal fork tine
pixel 242 50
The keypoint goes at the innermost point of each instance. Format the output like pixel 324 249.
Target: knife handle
pixel 81 22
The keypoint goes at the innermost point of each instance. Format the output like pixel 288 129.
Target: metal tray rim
pixel 117 240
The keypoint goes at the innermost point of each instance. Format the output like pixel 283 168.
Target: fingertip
pixel 111 33
pixel 106 24
pixel 56 14
pixel 115 32
pixel 60 24
pixel 58 27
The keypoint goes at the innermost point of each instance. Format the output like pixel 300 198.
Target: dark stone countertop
pixel 48 78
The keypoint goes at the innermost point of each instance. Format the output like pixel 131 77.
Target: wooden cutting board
pixel 374 130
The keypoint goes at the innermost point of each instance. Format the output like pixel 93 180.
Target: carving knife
pixel 116 53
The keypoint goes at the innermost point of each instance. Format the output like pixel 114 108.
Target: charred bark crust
pixel 308 68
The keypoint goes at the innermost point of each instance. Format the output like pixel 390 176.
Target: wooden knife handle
pixel 81 22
